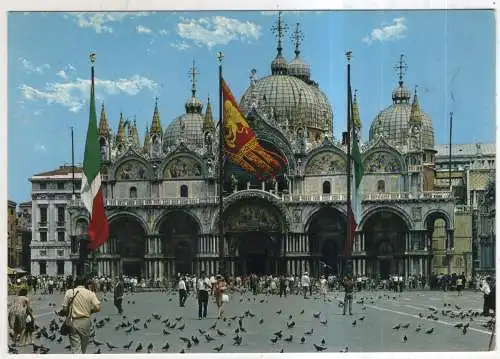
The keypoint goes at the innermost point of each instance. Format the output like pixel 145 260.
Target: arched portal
pixel 126 245
pixel 327 232
pixel 253 229
pixel 441 240
pixel 179 232
pixel 385 235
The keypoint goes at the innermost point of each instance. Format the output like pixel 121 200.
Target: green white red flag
pixel 91 191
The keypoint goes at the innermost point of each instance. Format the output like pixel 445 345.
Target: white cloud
pixel 37 112
pixel 388 32
pixel 163 32
pixel 74 95
pixel 30 68
pixel 99 21
pixel 62 74
pixel 181 46
pixel 143 30
pixel 217 30
pixel 40 148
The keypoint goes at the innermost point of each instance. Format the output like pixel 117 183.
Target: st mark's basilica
pixel 162 193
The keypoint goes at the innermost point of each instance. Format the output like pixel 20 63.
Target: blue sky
pixel 450 56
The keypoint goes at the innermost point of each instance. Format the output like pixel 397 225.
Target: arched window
pixel 103 147
pixel 381 186
pixel 327 188
pixel 132 192
pixel 184 191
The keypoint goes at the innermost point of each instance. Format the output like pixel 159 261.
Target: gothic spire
pixel 356 118
pixel 156 124
pixel 297 38
pixel 121 135
pixel 208 123
pixel 103 123
pixel 415 114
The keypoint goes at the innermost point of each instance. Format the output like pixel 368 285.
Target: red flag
pixel 240 143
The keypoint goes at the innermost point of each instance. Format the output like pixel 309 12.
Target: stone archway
pixel 179 232
pixel 253 229
pixel 327 231
pixel 385 242
pixel 125 248
pixel 440 238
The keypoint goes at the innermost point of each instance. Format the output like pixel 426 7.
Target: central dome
pixel 288 97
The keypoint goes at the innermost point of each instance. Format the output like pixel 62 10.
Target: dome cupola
pixel 297 67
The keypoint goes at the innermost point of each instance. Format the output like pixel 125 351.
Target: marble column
pixel 421 266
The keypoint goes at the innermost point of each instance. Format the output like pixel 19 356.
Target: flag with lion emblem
pixel 240 143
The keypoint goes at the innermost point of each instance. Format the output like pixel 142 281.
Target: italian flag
pixel 354 207
pixel 91 191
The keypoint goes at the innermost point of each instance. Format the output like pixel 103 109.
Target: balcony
pixel 414 168
pixel 42 224
pixel 290 198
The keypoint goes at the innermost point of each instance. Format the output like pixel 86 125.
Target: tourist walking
pixel 79 304
pixel 203 286
pixel 283 285
pixel 118 295
pixel 181 286
pixel 21 321
pixel 220 295
pixel 323 285
pixel 348 293
pixel 305 282
pixel 485 288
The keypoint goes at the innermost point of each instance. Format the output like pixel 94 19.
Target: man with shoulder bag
pixel 78 305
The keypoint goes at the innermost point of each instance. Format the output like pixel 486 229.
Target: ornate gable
pixel 382 157
pixel 131 170
pixel 326 160
pixel 182 166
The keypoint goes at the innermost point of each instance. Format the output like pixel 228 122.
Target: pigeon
pixel 459 325
pixel 111 346
pixel 345 350
pixel 319 348
pixel 316 315
pixel 309 332
pixel 166 346
pixel 261 321
pixel 274 340
pixel 221 333
pixel 98 351
pixel 290 324
pixel 201 331
pixel 405 339
pixel 396 327
pixel 97 343
pixel 323 341
pixel 138 348
pixel 165 332
pixel 195 340
pixel 213 326
pixel 208 338
pixel 464 330
pixel 289 338
pixel 282 350
pixel 405 326
pixel 127 346
pixel 279 312
pixel 325 321
pixel 302 340
pixel 430 331
pixel 181 328
pixel 237 340
pixel 150 347
pixel 219 348
pixel 362 318
pixel 418 329
pixel 354 323
pixel 302 311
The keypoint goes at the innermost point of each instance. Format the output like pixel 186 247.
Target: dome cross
pixel 193 72
pixel 401 67
pixel 279 30
pixel 297 38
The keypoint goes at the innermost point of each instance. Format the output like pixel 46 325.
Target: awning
pixel 11 271
pixel 20 270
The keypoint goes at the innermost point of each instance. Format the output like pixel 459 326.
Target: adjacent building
pixel 13 253
pixel 24 234
pixel 50 243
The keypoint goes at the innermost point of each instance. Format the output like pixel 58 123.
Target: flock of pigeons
pixel 178 335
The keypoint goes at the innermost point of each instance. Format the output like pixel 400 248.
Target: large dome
pixel 288 97
pixel 392 123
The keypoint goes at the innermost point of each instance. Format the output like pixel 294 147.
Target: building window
pixel 60 267
pixel 132 192
pixel 381 186
pixel 43 236
pixel 61 214
pixel 60 185
pixel 43 185
pixel 60 252
pixel 327 187
pixel 43 215
pixel 43 267
pixel 61 236
pixel 184 191
pixel 43 253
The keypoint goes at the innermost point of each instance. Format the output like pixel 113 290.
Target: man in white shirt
pixel 485 288
pixel 203 286
pixel 305 283
pixel 212 281
pixel 181 286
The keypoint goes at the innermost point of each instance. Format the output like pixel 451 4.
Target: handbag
pixel 225 298
pixel 67 325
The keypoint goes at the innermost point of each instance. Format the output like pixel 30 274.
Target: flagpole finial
pixel 220 57
pixel 348 56
pixel 92 58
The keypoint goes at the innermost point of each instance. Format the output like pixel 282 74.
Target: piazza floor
pixel 381 311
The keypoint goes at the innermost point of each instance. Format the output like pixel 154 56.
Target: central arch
pixel 327 231
pixel 385 236
pixel 179 232
pixel 253 229
pixel 127 245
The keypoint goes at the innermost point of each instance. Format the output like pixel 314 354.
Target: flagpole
pixel 348 266
pixel 222 262
pixel 73 164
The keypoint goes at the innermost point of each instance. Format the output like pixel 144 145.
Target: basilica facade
pixel 161 192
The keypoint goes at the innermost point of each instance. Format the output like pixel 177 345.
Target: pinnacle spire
pixel 401 67
pixel 121 135
pixel 103 123
pixel 156 124
pixel 208 123
pixel 193 72
pixel 279 30
pixel 356 118
pixel 147 141
pixel 415 114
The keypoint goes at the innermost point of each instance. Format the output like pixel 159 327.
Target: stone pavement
pixel 381 311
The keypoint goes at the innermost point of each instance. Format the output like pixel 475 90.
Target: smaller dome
pixel 401 94
pixel 299 68
pixel 188 128
pixel 279 65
